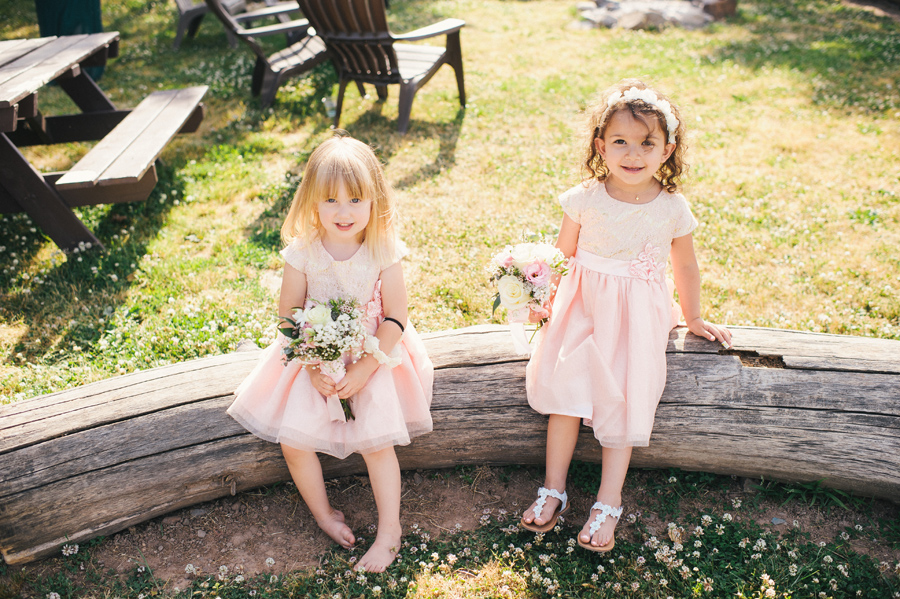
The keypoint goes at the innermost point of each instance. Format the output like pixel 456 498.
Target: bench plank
pixel 11 50
pixel 154 140
pixel 47 62
pixel 128 151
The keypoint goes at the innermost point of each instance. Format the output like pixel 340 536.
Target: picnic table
pixel 119 168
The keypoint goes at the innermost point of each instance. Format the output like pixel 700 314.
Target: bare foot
pixel 381 554
pixel 551 505
pixel 604 534
pixel 335 528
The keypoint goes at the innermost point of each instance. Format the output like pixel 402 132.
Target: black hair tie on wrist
pixel 396 322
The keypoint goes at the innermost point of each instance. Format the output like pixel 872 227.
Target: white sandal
pixel 543 494
pixel 599 519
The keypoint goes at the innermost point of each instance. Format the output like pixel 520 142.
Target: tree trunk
pixel 786 405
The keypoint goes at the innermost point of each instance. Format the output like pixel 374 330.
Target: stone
pixel 778 521
pixel 646 14
pixel 647 18
pixel 201 533
pixel 197 512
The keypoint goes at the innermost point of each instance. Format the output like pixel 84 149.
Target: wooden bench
pixel 120 168
pixel 786 405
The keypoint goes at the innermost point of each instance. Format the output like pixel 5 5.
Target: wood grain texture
pixel 94 460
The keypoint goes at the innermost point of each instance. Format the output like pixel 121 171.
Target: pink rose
pixel 503 259
pixel 537 273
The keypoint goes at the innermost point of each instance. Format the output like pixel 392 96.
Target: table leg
pixel 85 93
pixel 27 187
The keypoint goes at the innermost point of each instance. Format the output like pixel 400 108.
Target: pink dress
pixel 278 403
pixel 602 355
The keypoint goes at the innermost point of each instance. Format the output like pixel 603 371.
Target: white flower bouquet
pixel 524 275
pixel 322 335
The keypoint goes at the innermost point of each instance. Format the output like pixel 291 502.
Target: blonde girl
pixel 601 359
pixel 341 244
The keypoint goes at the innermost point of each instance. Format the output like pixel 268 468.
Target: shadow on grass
pixel 850 54
pixel 380 133
pixel 67 290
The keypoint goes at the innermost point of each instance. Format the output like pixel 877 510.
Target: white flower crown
pixel 648 97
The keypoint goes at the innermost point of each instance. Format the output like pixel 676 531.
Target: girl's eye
pixel 648 143
pixel 330 200
pixel 355 200
pixel 619 141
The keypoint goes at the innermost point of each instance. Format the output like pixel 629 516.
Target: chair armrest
pixel 290 26
pixel 269 11
pixel 444 27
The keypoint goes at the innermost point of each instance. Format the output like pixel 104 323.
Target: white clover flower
pixel 190 569
pixel 68 549
pixel 270 561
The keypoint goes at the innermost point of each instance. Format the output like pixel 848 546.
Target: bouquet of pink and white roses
pixel 524 275
pixel 321 335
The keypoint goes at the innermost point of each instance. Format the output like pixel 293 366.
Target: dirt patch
pixel 243 532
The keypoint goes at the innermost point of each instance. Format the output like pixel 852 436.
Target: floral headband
pixel 648 97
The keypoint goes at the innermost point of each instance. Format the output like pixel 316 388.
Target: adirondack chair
pixel 190 15
pixel 304 52
pixel 364 50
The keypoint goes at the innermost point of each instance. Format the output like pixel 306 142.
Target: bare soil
pixel 242 532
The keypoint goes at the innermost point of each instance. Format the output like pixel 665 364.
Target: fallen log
pixel 786 405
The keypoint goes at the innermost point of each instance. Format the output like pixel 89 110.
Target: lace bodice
pixel 619 230
pixel 327 278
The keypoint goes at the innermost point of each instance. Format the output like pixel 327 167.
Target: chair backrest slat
pixel 356 33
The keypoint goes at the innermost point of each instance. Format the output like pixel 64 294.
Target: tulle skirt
pixel 278 403
pixel 602 356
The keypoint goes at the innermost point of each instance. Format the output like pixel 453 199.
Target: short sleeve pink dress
pixel 602 355
pixel 278 403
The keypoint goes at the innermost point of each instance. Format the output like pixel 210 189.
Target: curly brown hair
pixel 671 171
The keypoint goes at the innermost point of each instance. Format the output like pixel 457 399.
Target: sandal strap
pixel 543 494
pixel 605 510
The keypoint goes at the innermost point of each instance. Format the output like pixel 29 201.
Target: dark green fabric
pixel 70 17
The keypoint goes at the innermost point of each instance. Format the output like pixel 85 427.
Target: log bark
pixel 786 405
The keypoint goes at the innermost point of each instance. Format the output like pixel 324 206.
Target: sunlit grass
pixel 795 152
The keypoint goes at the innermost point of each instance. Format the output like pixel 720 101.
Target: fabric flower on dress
pixel 647 267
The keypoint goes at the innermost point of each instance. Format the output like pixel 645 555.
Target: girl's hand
pixel 713 332
pixel 356 378
pixel 321 382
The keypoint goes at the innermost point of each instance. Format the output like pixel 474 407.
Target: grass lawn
pixel 792 109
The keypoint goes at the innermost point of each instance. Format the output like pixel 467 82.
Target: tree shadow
pixel 379 132
pixel 66 291
pixel 850 54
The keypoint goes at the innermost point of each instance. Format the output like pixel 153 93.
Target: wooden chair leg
pixel 188 24
pixel 270 84
pixel 361 88
pixel 407 93
pixel 382 91
pixel 259 70
pixel 340 101
pixel 454 59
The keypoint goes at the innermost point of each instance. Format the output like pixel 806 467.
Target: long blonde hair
pixel 338 161
pixel 593 166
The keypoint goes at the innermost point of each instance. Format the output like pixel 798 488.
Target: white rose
pixel 512 293
pixel 522 255
pixel 320 314
pixel 546 252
